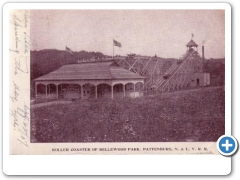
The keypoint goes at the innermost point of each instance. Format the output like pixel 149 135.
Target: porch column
pixel 124 90
pixel 112 92
pixel 35 90
pixel 46 90
pixel 82 92
pixel 134 90
pixel 57 90
pixel 96 92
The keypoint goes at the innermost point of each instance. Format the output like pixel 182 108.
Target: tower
pixel 192 46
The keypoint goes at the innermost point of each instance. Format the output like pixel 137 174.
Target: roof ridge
pixel 191 43
pixel 107 70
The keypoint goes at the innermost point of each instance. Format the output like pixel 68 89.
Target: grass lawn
pixel 193 115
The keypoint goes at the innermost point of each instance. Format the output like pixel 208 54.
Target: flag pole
pixel 113 50
pixel 65 56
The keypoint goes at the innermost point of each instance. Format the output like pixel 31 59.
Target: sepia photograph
pixel 114 76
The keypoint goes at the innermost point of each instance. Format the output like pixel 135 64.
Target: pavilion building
pixel 89 80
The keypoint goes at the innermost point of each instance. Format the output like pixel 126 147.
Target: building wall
pixel 200 79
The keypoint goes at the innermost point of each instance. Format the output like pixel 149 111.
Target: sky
pixel 146 32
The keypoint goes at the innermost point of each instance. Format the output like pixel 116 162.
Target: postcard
pixel 142 80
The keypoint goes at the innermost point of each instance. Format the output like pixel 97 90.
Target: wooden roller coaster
pixel 177 76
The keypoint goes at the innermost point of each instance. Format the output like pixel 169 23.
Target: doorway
pixel 197 82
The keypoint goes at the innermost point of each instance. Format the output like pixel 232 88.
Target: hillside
pixel 45 61
pixel 216 68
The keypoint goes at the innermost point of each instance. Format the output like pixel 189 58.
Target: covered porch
pixel 88 89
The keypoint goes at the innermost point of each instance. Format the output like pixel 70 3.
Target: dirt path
pixel 49 104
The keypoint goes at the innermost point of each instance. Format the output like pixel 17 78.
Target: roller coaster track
pixel 178 75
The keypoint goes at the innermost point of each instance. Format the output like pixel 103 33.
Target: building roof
pixel 191 44
pixel 91 70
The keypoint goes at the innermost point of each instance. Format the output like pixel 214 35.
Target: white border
pixel 122 164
